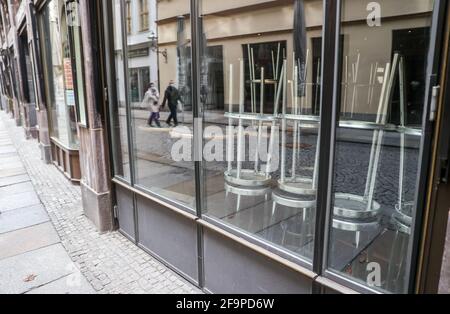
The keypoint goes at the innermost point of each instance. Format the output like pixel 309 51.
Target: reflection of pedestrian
pixel 204 95
pixel 172 97
pixel 151 101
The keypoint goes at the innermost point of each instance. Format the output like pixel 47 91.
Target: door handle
pixel 434 102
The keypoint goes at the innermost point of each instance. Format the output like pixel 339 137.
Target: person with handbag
pixel 172 98
pixel 151 101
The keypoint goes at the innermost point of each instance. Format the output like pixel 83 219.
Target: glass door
pixel 380 141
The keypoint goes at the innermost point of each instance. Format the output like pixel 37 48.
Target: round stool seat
pixel 353 225
pixel 402 221
pixel 298 185
pixel 248 178
pixel 349 206
pixel 280 197
pixel 247 191
pixel 404 214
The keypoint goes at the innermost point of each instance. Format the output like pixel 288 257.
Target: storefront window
pixel 383 67
pixel 14 73
pixel 155 135
pixel 29 87
pixel 260 78
pixel 58 74
pixel 119 103
pixel 78 58
pixel 143 87
pixel 260 86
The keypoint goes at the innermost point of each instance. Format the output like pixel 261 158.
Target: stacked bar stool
pixel 240 181
pixel 294 190
pixel 355 213
pixel 402 219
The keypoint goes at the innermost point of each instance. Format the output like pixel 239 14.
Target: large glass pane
pixel 59 79
pixel 28 88
pixel 384 48
pixel 260 88
pixel 77 54
pixel 30 77
pixel 119 110
pixel 161 100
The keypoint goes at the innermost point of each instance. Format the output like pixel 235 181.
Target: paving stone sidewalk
pixel 109 262
pixel 32 258
pixel 444 286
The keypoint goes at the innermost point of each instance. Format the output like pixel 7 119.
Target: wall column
pixel 42 117
pixel 94 149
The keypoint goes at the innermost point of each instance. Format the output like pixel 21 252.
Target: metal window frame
pixel 131 151
pixel 425 171
pixel 198 111
pixel 330 55
pixel 111 91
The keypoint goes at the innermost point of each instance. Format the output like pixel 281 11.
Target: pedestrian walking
pixel 151 101
pixel 172 98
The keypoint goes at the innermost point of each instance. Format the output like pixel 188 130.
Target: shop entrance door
pixel 384 108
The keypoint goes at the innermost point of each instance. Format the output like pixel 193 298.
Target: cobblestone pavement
pixel 444 286
pixel 110 262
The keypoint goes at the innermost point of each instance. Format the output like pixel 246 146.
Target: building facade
pixel 310 152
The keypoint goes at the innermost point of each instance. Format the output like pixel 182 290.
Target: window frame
pixel 141 88
pixel 144 16
pixel 81 120
pixel 46 56
pixel 129 23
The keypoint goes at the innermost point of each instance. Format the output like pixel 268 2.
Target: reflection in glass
pixel 119 110
pixel 157 94
pixel 77 51
pixel 261 69
pixel 29 87
pixel 59 78
pixel 378 139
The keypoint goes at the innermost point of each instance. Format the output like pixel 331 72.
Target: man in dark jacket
pixel 172 97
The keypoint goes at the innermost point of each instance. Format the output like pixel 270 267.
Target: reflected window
pixel 25 58
pixel 157 100
pixel 118 105
pixel 257 57
pixel 58 74
pixel 143 12
pixel 129 18
pixel 212 93
pixel 76 43
pixel 139 82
